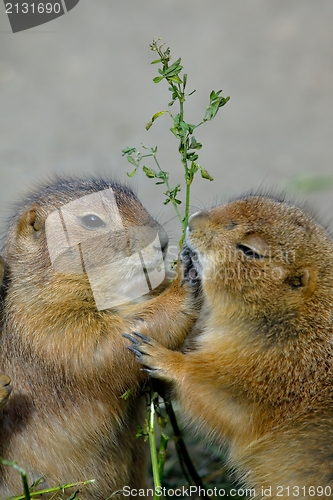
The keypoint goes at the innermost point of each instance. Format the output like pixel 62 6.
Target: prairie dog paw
pixel 5 390
pixel 191 270
pixel 157 360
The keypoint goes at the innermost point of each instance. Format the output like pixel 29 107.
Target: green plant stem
pixel 50 490
pixel 162 453
pixel 168 186
pixel 27 494
pixel 23 474
pixel 188 147
pixel 180 92
pixel 188 180
pixel 187 208
pixel 152 443
pixel 181 105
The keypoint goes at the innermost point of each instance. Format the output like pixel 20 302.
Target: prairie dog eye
pixel 92 221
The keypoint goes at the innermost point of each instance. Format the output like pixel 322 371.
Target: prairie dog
pixel 260 375
pixel 67 359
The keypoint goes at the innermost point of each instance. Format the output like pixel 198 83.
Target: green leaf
pixel 184 126
pixel 128 151
pixel 161 419
pixel 131 174
pixel 157 79
pixel 192 156
pixel 195 167
pixel 133 161
pixel 73 496
pixel 149 172
pixel 175 79
pixel 162 175
pixel 194 144
pixel 205 174
pixel 162 453
pixel 155 116
pixel 126 394
pixel 216 102
pixel 156 61
pixel 143 431
pixel 36 483
pixel 171 194
pixel 224 101
pixel 174 69
pixel 175 132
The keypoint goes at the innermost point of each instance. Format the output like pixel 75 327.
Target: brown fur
pixel 68 362
pixel 260 377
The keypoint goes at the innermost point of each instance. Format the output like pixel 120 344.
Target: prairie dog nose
pixel 196 219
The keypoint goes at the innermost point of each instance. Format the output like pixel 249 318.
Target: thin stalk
pixel 188 179
pixel 27 495
pixel 187 203
pixel 181 447
pixel 181 106
pixel 168 186
pixel 162 453
pixel 152 444
pixel 23 474
pixel 55 489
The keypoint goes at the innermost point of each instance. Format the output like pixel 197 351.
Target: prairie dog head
pixel 261 258
pixel 75 235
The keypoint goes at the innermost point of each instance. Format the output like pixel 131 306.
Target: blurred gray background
pixel 74 92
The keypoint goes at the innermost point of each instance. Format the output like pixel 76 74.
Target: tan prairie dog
pixel 67 359
pixel 260 374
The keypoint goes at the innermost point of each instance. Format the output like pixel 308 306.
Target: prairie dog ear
pixel 254 245
pixel 304 281
pixel 32 221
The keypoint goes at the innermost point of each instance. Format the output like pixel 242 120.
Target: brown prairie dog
pixel 66 358
pixel 260 374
